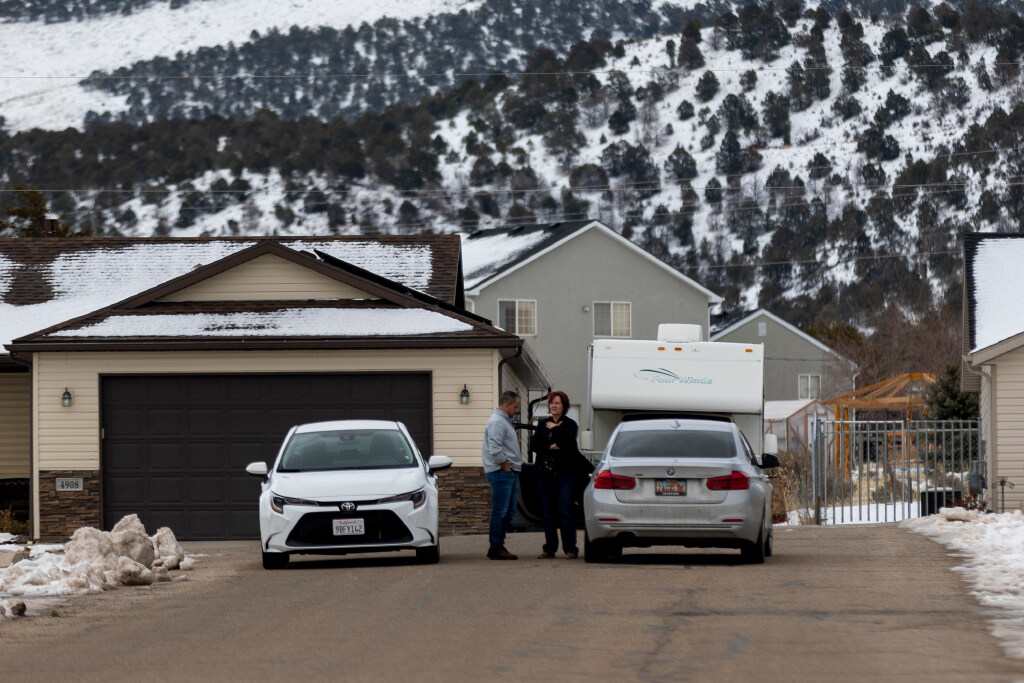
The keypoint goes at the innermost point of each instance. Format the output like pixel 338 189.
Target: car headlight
pixel 277 502
pixel 418 498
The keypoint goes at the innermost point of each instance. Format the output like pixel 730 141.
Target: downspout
pixel 991 454
pixel 501 365
pixel 31 450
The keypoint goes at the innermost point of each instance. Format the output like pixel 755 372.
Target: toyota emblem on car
pixel 347 507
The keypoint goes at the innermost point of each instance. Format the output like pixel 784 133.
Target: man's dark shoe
pixel 498 552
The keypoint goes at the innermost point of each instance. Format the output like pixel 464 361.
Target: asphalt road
pixel 837 604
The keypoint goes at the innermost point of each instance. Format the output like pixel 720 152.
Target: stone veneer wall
pixel 464 503
pixel 61 513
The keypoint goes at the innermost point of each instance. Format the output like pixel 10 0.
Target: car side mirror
pixel 771 444
pixel 436 463
pixel 257 469
pixel 770 460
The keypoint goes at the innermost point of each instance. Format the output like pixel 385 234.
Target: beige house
pixel 993 361
pixel 143 375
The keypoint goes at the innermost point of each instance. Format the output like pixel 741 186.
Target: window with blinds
pixel 612 319
pixel 518 316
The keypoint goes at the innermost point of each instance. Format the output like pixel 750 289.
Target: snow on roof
pixel 484 256
pixel 411 265
pixel 780 410
pixel 90 279
pixel 6 277
pixel 289 322
pixel 998 281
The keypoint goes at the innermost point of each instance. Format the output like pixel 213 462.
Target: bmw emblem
pixel 670 471
pixel 347 507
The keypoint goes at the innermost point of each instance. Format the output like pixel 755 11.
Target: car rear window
pixel 364 449
pixel 673 443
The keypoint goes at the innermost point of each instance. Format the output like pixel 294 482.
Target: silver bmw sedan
pixel 689 482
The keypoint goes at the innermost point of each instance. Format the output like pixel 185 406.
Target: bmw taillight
pixel 617 482
pixel 737 481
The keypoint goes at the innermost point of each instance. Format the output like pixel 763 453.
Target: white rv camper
pixel 675 375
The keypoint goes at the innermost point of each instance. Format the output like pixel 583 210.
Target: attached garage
pixel 174 447
pixel 174 389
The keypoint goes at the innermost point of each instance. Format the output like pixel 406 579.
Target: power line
pixel 483 74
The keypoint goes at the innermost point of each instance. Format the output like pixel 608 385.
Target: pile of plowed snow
pixel 992 550
pixel 94 561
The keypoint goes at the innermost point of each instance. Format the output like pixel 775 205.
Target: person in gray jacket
pixel 502 463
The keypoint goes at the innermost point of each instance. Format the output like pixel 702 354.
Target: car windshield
pixel 350 449
pixel 673 443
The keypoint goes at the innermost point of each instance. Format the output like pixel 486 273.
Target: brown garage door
pixel 175 447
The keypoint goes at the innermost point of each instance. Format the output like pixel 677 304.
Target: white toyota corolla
pixel 348 486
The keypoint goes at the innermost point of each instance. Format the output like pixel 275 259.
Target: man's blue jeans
pixel 504 491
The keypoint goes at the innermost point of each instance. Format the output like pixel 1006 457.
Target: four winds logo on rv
pixel 663 376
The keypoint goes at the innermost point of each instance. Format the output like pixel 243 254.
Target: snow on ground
pixel 859 514
pixel 992 547
pixel 93 561
pixel 43 63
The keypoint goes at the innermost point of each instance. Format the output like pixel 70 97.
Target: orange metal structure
pixel 904 393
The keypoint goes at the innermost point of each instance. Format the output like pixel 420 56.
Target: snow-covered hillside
pixel 44 63
pixel 816 164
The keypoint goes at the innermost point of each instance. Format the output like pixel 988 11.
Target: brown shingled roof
pixel 23 260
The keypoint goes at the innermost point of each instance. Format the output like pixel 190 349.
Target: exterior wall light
pixel 464 395
pixel 65 398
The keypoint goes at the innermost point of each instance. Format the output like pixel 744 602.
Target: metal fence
pixel 886 471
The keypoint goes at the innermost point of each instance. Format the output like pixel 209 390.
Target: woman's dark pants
pixel 556 496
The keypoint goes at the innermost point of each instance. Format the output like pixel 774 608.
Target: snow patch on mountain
pixel 44 63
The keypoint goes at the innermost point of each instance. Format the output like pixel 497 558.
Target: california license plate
pixel 670 487
pixel 349 527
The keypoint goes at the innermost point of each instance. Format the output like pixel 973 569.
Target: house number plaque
pixel 70 484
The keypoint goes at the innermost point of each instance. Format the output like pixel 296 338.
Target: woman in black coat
pixel 559 466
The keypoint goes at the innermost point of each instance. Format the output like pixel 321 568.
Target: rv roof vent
pixel 679 333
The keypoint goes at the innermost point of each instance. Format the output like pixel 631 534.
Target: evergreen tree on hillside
pixel 26 218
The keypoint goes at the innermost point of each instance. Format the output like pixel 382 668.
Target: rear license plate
pixel 670 487
pixel 349 527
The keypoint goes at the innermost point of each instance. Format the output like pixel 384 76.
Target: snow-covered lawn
pixel 992 548
pixel 91 562
pixel 858 514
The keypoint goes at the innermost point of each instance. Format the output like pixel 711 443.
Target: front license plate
pixel 349 527
pixel 670 487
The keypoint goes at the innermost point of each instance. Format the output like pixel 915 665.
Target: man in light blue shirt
pixel 502 462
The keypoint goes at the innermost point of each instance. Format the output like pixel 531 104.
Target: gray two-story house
pixel 561 286
pixel 796 365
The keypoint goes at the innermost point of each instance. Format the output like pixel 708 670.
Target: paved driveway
pixel 847 603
